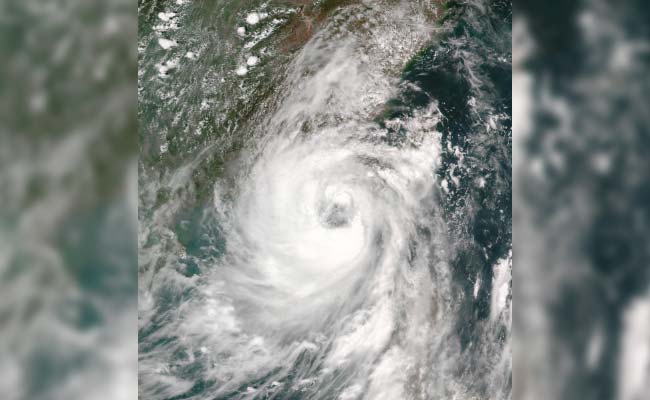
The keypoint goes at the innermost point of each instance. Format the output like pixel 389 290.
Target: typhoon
pixel 325 200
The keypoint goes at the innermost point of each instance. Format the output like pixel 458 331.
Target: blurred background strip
pixel 68 187
pixel 581 200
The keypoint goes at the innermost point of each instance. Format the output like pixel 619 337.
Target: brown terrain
pixel 303 24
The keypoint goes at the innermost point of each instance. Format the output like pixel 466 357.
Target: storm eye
pixel 337 210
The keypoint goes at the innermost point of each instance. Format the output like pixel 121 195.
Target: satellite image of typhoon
pixel 325 199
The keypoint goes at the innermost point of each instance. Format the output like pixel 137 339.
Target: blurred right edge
pixel 581 200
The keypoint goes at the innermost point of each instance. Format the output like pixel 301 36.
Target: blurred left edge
pixel 68 205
